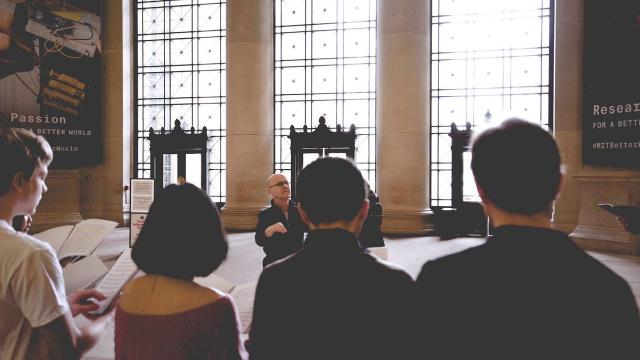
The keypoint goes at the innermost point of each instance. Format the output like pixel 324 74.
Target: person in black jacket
pixel 529 291
pixel 280 231
pixel 22 223
pixel 371 234
pixel 332 299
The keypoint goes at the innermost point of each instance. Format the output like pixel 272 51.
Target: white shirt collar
pixel 5 226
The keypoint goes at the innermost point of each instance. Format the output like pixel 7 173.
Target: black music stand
pixel 321 141
pixel 463 217
pixel 181 143
pixel 324 142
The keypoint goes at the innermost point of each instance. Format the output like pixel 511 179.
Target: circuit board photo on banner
pixel 51 75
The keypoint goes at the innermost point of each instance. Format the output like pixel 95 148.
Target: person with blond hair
pixel 35 314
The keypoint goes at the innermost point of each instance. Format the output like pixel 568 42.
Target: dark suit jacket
pixel 332 300
pixel 371 234
pixel 279 245
pixel 526 293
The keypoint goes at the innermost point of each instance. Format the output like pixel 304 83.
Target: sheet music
pixel 116 278
pixel 85 237
pixel 83 273
pixel 56 236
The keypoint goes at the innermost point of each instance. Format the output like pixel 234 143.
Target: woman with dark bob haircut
pixel 165 314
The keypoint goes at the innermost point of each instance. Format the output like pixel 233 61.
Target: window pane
pixel 181 75
pixel 489 58
pixel 325 65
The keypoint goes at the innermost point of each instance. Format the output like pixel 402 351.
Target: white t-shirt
pixel 31 292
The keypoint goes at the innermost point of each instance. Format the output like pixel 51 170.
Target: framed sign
pixel 142 191
pixel 611 83
pixel 141 195
pixel 51 75
pixel 137 221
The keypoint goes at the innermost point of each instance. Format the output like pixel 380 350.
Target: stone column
pixel 569 23
pixel 60 205
pixel 403 115
pixel 250 124
pixel 96 191
pixel 101 187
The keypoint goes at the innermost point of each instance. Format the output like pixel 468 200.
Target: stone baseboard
pixel 60 205
pixel 564 227
pixel 244 219
pixel 42 222
pixel 407 222
pixel 606 239
pixel 564 220
pixel 393 222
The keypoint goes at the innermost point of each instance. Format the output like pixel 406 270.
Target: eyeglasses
pixel 280 184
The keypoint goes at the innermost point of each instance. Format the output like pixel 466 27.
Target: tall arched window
pixel 488 57
pixel 180 74
pixel 325 65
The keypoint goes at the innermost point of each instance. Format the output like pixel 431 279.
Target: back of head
pixel 518 165
pixel 331 189
pixel 182 236
pixel 21 151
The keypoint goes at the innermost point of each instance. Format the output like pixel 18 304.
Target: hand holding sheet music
pixel 77 240
pixel 621 210
pixel 83 273
pixel 112 283
pixel 628 216
pixel 84 239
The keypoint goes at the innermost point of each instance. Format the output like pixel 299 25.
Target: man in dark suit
pixel 371 234
pixel 280 230
pixel 332 300
pixel 529 291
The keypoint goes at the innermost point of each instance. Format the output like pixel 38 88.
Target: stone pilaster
pixel 598 229
pixel 403 115
pixel 250 124
pixel 60 205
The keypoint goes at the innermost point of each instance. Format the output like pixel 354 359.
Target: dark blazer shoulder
pixel 384 269
pixel 383 264
pixel 265 211
pixel 286 265
pixel 601 272
pixel 456 264
pixel 463 257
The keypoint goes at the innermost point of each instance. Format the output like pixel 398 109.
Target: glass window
pixel 180 74
pixel 489 59
pixel 325 65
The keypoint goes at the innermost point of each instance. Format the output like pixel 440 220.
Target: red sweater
pixel 206 332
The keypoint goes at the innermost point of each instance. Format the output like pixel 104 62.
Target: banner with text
pixel 611 83
pixel 51 75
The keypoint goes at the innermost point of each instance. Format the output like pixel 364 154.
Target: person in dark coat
pixel 371 234
pixel 280 231
pixel 332 299
pixel 529 291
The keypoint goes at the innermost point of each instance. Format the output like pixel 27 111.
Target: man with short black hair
pixel 332 300
pixel 280 230
pixel 529 291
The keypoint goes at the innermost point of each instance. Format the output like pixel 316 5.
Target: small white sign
pixel 137 220
pixel 141 195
